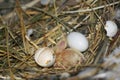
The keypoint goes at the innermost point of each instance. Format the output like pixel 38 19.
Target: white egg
pixel 111 28
pixel 77 41
pixel 44 57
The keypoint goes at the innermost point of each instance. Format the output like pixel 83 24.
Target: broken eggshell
pixel 44 57
pixel 111 28
pixel 77 41
pixel 46 2
pixel 67 58
pixel 117 14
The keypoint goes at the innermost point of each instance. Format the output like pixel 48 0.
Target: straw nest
pixel 49 24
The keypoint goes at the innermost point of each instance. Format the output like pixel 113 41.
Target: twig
pixel 102 50
pixel 31 42
pixel 19 13
pixel 8 78
pixel 95 8
pixel 54 17
pixel 24 7
pixel 8 55
pixel 76 26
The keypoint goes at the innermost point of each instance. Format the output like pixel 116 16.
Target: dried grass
pixel 51 24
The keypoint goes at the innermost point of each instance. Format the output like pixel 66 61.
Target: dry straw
pixel 17 49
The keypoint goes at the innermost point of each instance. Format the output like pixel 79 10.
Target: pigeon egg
pixel 77 41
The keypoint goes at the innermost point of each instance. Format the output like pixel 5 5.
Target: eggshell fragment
pixel 45 2
pixel 44 57
pixel 111 28
pixel 29 32
pixel 77 41
pixel 117 14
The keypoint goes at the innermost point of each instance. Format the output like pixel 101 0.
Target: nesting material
pixel 112 63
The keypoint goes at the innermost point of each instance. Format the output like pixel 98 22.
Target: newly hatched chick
pixel 67 58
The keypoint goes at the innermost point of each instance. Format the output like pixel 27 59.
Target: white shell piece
pixel 77 41
pixel 64 75
pixel 117 14
pixel 111 28
pixel 45 2
pixel 29 32
pixel 44 57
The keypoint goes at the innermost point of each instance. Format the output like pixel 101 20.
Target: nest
pixel 50 24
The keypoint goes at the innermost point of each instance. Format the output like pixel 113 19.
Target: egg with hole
pixel 77 41
pixel 44 57
pixel 111 28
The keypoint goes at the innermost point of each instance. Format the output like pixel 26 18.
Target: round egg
pixel 77 41
pixel 44 57
pixel 111 28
